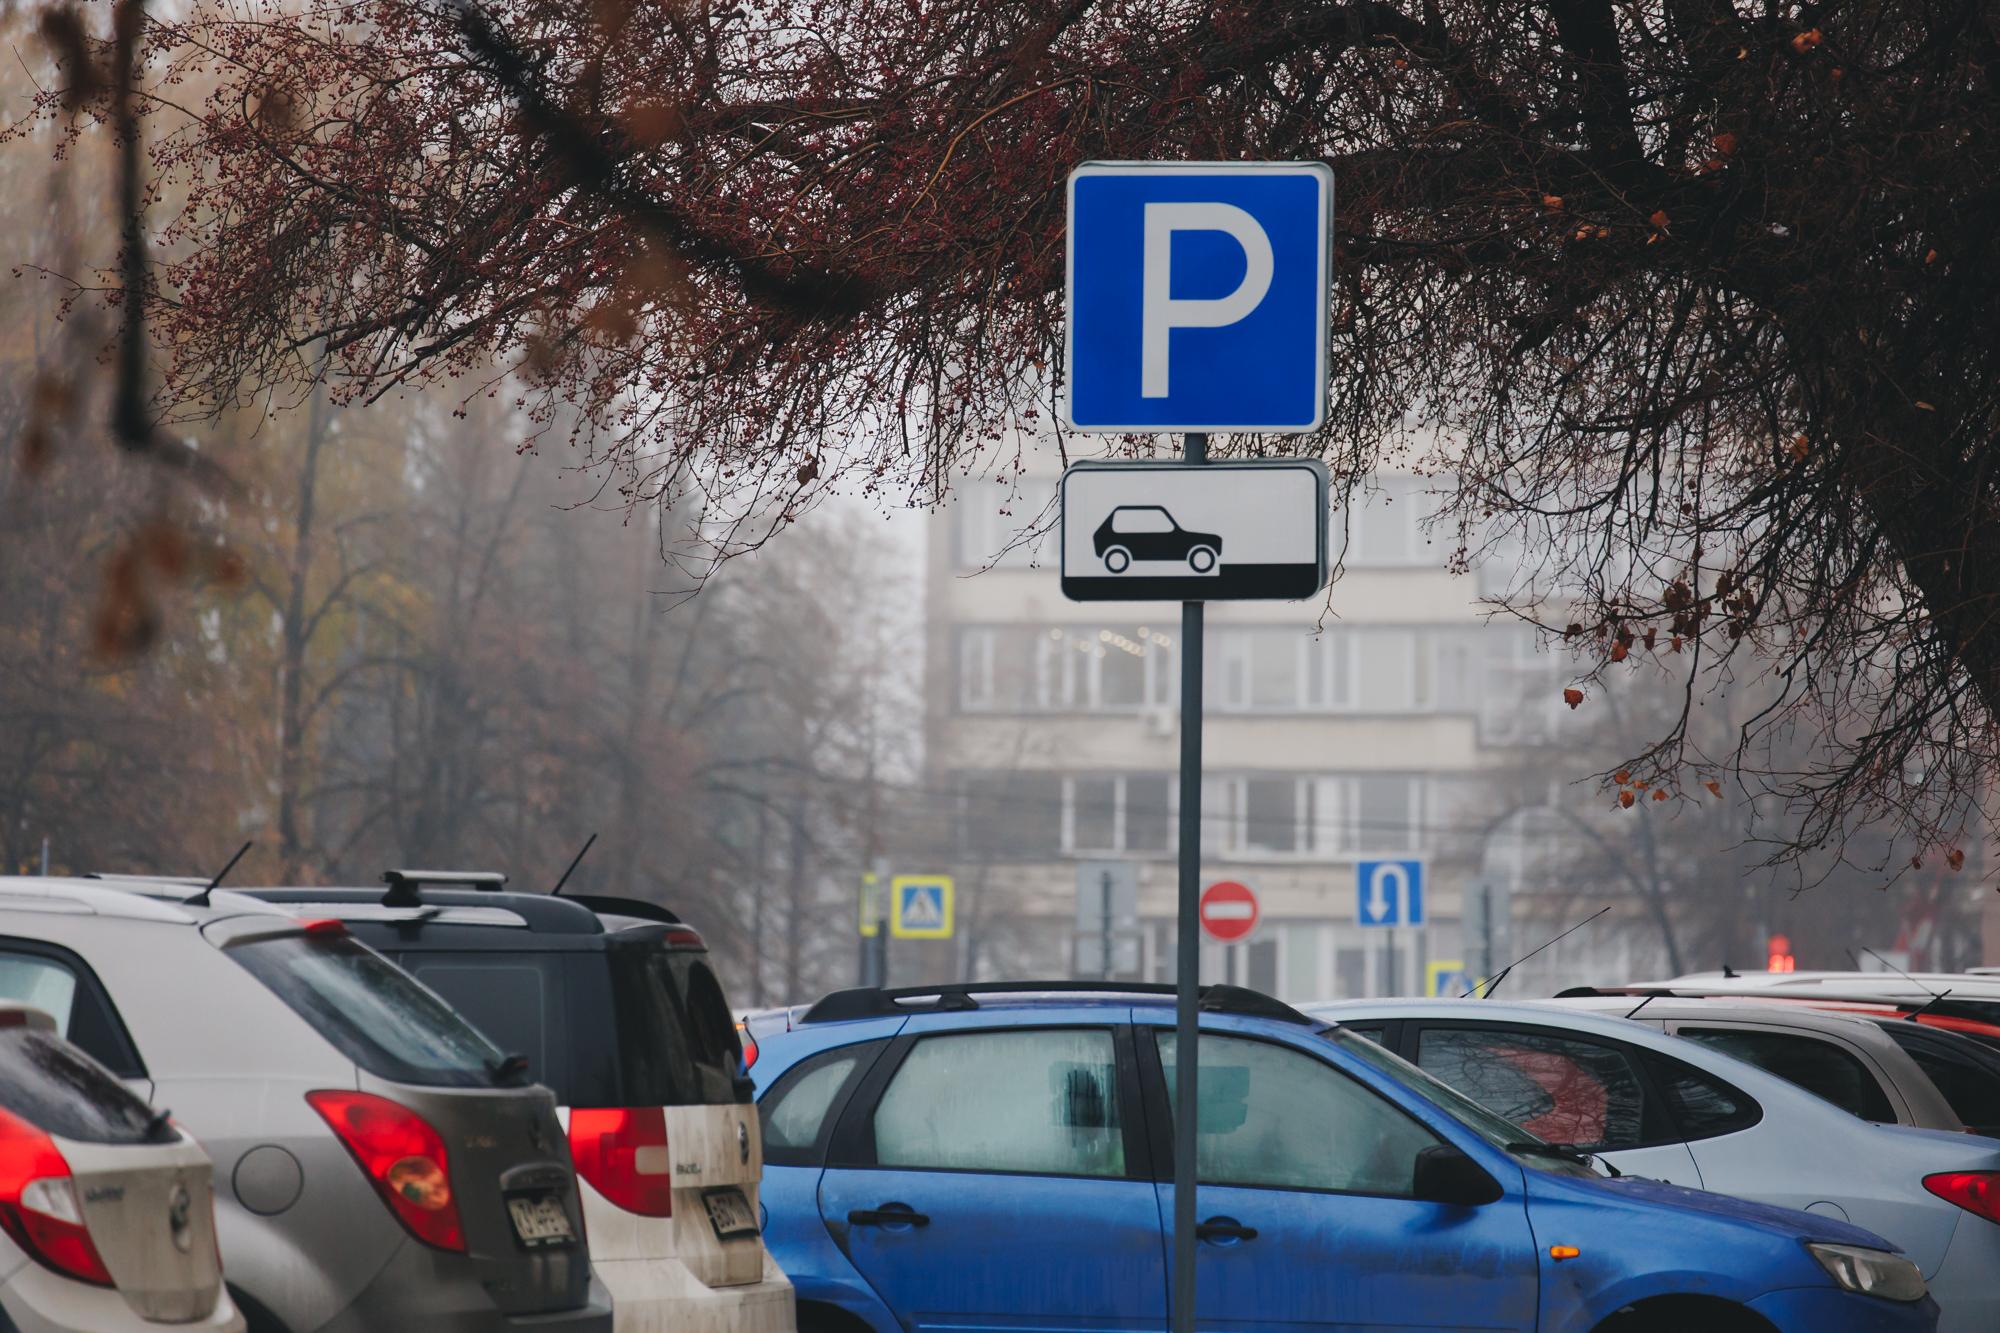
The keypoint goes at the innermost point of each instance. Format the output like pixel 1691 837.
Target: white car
pixel 107 1215
pixel 1655 1105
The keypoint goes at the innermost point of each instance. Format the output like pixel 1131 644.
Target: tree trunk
pixel 292 664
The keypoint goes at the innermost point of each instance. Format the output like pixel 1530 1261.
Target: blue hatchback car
pixel 998 1157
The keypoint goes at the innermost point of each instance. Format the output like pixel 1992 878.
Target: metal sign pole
pixel 1188 968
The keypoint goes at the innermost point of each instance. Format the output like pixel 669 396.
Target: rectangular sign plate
pixel 1172 532
pixel 1197 296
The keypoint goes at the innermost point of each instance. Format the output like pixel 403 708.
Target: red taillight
pixel 402 1156
pixel 749 1044
pixel 622 1152
pixel 1975 1191
pixel 39 1207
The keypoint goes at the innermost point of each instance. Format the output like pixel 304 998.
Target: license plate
pixel 540 1221
pixel 729 1213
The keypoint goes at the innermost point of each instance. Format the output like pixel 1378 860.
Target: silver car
pixel 379 1165
pixel 106 1219
pixel 1655 1105
pixel 1850 1061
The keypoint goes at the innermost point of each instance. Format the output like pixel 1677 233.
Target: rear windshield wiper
pixel 508 1069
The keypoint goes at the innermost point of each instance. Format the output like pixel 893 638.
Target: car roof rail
pixel 949 997
pixel 405 884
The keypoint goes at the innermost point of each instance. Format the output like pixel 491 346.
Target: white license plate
pixel 729 1213
pixel 540 1220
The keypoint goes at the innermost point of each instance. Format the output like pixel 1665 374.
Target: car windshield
pixel 1502 1133
pixel 375 1013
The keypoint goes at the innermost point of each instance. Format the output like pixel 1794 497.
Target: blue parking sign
pixel 1197 296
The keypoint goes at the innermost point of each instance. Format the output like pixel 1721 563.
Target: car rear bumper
pixel 1830 1310
pixel 34 1300
pixel 1967 1282
pixel 658 1295
pixel 421 1288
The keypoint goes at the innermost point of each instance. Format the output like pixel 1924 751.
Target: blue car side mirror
pixel 1444 1174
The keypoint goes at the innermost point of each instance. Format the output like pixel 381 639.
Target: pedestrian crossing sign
pixel 921 907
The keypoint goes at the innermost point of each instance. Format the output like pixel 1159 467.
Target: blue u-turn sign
pixel 1198 296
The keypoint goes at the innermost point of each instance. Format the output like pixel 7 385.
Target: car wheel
pixel 1117 560
pixel 1201 559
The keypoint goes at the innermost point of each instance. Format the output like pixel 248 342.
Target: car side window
pixel 1704 1105
pixel 1142 520
pixel 56 981
pixel 797 1111
pixel 1972 1091
pixel 1561 1089
pixel 1275 1117
pixel 41 982
pixel 1039 1101
pixel 1820 1067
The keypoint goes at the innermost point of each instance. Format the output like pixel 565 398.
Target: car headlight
pixel 1871 1272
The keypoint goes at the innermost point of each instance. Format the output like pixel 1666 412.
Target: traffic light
pixel 1781 959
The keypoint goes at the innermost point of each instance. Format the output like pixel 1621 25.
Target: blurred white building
pixel 1373 727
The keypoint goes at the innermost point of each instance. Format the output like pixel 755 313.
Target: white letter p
pixel 1160 313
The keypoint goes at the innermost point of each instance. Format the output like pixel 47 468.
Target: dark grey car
pixel 379 1165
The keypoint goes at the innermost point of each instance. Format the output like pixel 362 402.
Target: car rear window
pixel 677 1044
pixel 373 1012
pixel 1820 1067
pixel 516 999
pixel 58 1089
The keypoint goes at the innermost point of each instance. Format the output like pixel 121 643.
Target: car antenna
pixel 201 899
pixel 1729 973
pixel 1914 1015
pixel 1494 984
pixel 1651 996
pixel 556 892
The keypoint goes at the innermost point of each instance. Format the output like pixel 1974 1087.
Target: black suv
pixel 612 1003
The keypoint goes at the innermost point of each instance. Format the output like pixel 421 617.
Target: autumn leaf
pixel 1923 406
pixel 1807 40
pixel 1659 219
pixel 1622 776
pixel 1714 787
pixel 1725 143
pixel 1552 202
pixel 1800 448
pixel 1955 858
pixel 1625 799
pixel 1572 697
pixel 1917 862
pixel 1930 256
pixel 1659 793
pixel 808 470
pixel 1618 652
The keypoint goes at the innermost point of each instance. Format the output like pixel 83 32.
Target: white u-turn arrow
pixel 1161 313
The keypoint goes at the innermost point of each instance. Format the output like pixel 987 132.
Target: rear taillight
pixel 402 1156
pixel 1975 1191
pixel 622 1152
pixel 39 1207
pixel 749 1044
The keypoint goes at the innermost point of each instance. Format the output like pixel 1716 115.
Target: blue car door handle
pixel 1223 1228
pixel 889 1215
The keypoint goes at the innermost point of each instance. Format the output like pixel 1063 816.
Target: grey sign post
pixel 1147 354
pixel 1107 918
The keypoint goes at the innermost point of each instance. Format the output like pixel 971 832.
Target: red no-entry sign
pixel 1228 911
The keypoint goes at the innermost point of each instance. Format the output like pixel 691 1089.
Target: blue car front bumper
pixel 1829 1310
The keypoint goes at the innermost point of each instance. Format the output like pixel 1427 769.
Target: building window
pixel 1131 812
pixel 1520 695
pixel 1271 815
pixel 1385 528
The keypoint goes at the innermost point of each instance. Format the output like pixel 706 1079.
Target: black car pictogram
pixel 1148 532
